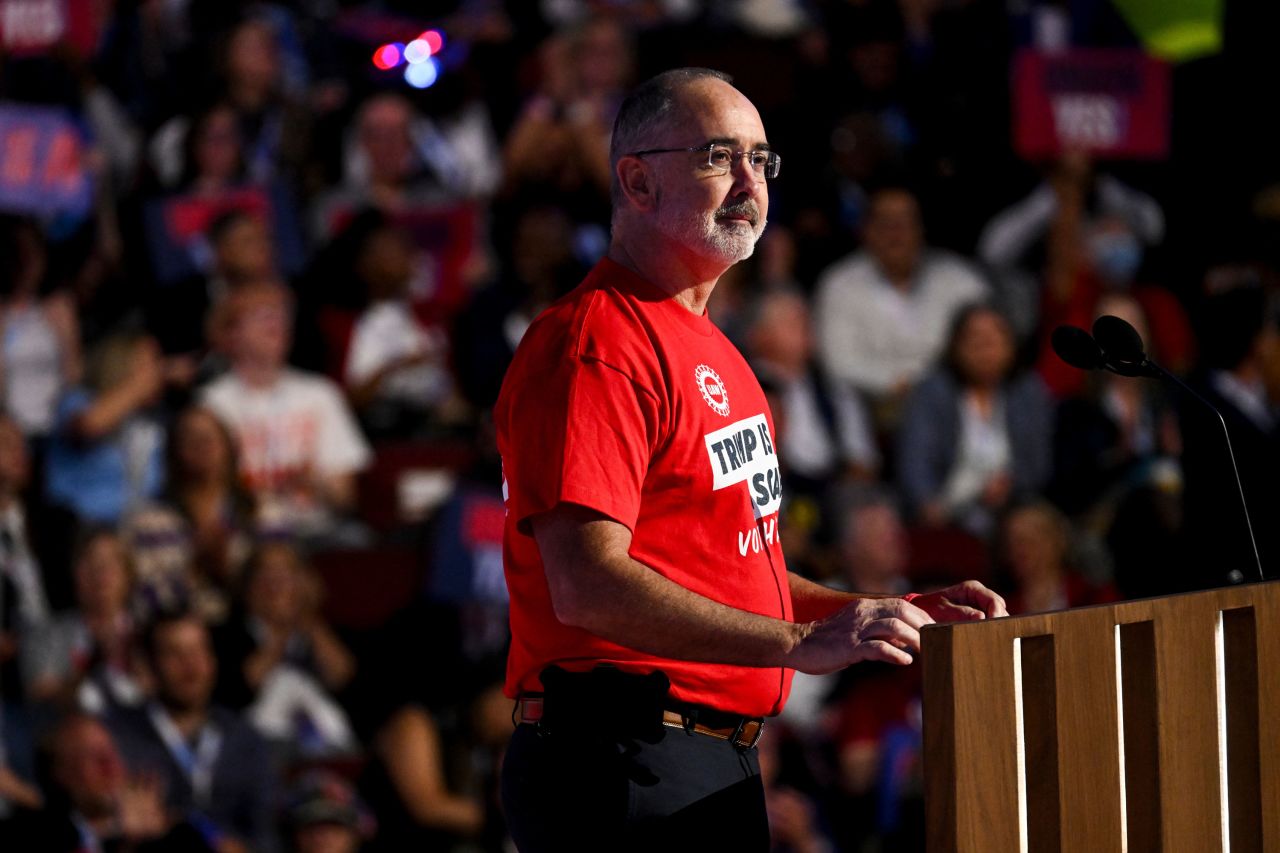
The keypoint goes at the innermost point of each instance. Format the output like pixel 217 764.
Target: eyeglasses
pixel 721 158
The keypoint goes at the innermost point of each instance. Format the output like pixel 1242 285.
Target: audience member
pixel 106 454
pixel 396 366
pixel 324 815
pixel 884 312
pixel 241 253
pixel 24 611
pixel 872 554
pixel 396 160
pixel 977 433
pixel 211 766
pixel 1238 335
pixel 559 145
pixel 190 547
pixel 93 802
pixel 40 355
pixel 299 444
pixel 1119 435
pixel 1015 244
pixel 281 661
pixel 406 782
pixel 539 268
pixel 1037 544
pixel 827 436
pixel 86 657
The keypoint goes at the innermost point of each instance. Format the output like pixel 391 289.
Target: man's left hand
pixel 964 602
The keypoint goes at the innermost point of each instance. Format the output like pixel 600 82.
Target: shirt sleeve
pixel 342 447
pixel 585 436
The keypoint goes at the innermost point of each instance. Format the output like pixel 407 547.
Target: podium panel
pixel 1140 726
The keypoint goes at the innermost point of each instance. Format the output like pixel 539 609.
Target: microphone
pixel 1077 348
pixel 1116 346
pixel 1122 347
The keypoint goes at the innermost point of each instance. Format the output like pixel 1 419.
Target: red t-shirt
pixel 623 401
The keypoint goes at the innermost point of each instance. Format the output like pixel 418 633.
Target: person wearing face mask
pixel 1018 245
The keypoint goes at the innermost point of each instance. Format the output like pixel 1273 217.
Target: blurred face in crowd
pixel 384 133
pixel 876 64
pixel 15 462
pixel 715 218
pixel 262 330
pixel 201 446
pixel 218 148
pixel 875 546
pixel 543 245
pixel 602 57
pixel 386 263
pixel 278 588
pixel 1128 309
pixel 87 766
pixel 894 234
pixel 122 358
pixel 184 665
pixel 244 250
pixel 326 838
pixel 1035 544
pixel 782 335
pixel 984 349
pixel 102 576
pixel 252 66
pixel 1114 251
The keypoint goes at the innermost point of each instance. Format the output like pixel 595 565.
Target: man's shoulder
pixel 852 272
pixel 948 268
pixel 305 383
pixel 221 390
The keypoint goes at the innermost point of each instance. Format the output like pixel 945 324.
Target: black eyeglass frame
pixel 772 163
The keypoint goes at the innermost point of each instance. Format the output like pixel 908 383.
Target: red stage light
pixel 386 57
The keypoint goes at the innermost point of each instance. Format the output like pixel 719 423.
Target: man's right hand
pixel 880 629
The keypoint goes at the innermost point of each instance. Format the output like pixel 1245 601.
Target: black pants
pixel 564 791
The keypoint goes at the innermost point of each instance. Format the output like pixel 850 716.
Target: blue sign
pixel 42 163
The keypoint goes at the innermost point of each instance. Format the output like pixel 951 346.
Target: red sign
pixel 1110 103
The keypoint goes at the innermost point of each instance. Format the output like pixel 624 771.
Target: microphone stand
pixel 1150 368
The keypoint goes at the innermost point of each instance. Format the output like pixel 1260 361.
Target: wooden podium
pixel 1149 725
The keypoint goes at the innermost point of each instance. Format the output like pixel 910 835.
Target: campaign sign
pixel 1110 103
pixel 34 27
pixel 42 168
pixel 177 228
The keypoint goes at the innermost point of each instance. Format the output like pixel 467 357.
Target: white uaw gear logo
pixel 713 390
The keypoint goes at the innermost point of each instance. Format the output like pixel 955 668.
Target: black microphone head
pixel 1122 348
pixel 1118 339
pixel 1077 348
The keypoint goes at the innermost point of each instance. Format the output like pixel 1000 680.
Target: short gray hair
pixel 645 110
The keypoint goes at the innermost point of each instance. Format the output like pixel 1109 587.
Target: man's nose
pixel 743 172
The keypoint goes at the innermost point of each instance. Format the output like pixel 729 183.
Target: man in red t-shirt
pixel 654 623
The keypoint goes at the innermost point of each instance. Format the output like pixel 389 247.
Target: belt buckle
pixel 737 733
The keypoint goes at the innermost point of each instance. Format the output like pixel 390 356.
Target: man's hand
pixel 883 629
pixel 964 602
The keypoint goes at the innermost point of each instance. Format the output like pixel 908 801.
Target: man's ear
pixel 636 182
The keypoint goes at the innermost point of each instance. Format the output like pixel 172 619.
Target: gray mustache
pixel 745 208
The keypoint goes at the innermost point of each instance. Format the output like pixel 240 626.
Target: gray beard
pixel 710 238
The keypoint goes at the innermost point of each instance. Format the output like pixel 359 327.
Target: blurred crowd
pixel 251 590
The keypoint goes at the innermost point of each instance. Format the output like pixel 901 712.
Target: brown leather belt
pixel 745 734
